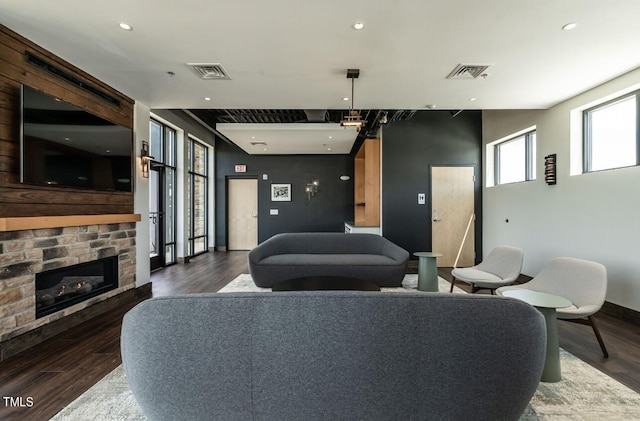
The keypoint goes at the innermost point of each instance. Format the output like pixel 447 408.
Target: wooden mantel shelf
pixel 37 222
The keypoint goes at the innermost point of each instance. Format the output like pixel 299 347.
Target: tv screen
pixel 64 145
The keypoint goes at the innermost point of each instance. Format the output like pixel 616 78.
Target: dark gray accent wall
pixel 326 211
pixel 409 149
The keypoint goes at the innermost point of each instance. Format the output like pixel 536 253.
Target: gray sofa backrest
pixel 333 355
pixel 327 243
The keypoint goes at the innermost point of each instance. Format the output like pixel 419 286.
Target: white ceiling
pixel 310 138
pixel 286 54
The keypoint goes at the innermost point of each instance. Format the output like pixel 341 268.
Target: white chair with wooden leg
pixel 501 267
pixel 582 282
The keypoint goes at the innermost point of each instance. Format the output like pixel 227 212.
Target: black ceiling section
pixel 373 118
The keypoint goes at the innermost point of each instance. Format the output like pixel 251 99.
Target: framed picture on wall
pixel 281 192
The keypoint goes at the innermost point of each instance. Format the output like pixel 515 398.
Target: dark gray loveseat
pixel 295 255
pixel 333 355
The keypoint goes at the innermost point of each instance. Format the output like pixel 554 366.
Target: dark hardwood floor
pixel 60 369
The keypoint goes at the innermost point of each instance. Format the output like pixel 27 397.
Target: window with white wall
pixel 610 134
pixel 512 159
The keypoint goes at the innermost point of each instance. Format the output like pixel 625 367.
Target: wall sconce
pixel 145 158
pixel 550 169
pixel 312 188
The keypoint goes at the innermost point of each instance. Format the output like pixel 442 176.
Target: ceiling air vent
pixel 468 71
pixel 210 70
pixel 258 143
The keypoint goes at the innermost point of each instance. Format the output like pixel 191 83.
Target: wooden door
pixel 242 214
pixel 452 209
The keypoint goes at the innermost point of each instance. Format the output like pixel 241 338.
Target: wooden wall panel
pixel 18 199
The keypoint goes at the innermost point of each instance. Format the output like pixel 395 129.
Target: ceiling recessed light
pixel 358 26
pixel 569 26
pixel 430 106
pixel 472 99
pixel 125 26
pixel 328 149
pixel 206 98
pixel 330 137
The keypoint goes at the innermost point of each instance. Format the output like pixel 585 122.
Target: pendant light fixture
pixel 353 119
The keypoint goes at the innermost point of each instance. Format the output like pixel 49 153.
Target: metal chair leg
pixel 453 280
pixel 592 320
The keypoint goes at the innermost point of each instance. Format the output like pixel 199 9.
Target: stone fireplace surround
pixel 25 252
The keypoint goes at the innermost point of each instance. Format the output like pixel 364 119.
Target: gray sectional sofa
pixel 295 255
pixel 333 355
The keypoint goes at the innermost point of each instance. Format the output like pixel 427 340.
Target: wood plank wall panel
pixel 18 199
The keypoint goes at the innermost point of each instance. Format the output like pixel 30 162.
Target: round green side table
pixel 427 271
pixel 547 304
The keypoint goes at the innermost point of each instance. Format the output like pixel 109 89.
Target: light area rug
pixel 583 394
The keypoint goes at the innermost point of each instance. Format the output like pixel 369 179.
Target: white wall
pixel 593 216
pixel 141 117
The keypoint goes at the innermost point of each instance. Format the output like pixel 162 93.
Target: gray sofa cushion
pixel 329 259
pixel 295 255
pixel 333 355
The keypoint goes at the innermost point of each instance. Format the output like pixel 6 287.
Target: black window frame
pixel 168 149
pixel 192 176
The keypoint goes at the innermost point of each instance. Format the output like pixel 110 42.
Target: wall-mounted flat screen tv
pixel 64 145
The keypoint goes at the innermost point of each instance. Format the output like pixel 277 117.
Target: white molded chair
pixel 582 282
pixel 501 267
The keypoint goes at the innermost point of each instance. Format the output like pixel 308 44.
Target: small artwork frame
pixel 281 192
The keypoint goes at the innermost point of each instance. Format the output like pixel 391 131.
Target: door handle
pixel 436 219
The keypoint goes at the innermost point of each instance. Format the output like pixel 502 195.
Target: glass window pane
pixel 169 205
pixel 169 254
pixel 189 209
pixel 199 159
pixel 200 206
pixel 533 155
pixel 512 161
pixel 154 202
pixel 613 135
pixel 170 146
pixel 199 245
pixel 197 197
pixel 156 140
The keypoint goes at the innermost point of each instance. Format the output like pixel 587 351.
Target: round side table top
pixel 427 254
pixel 538 299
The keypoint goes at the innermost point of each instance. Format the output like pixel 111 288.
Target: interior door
pixel 452 215
pixel 242 214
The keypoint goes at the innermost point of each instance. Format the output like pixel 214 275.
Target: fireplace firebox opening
pixel 63 287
